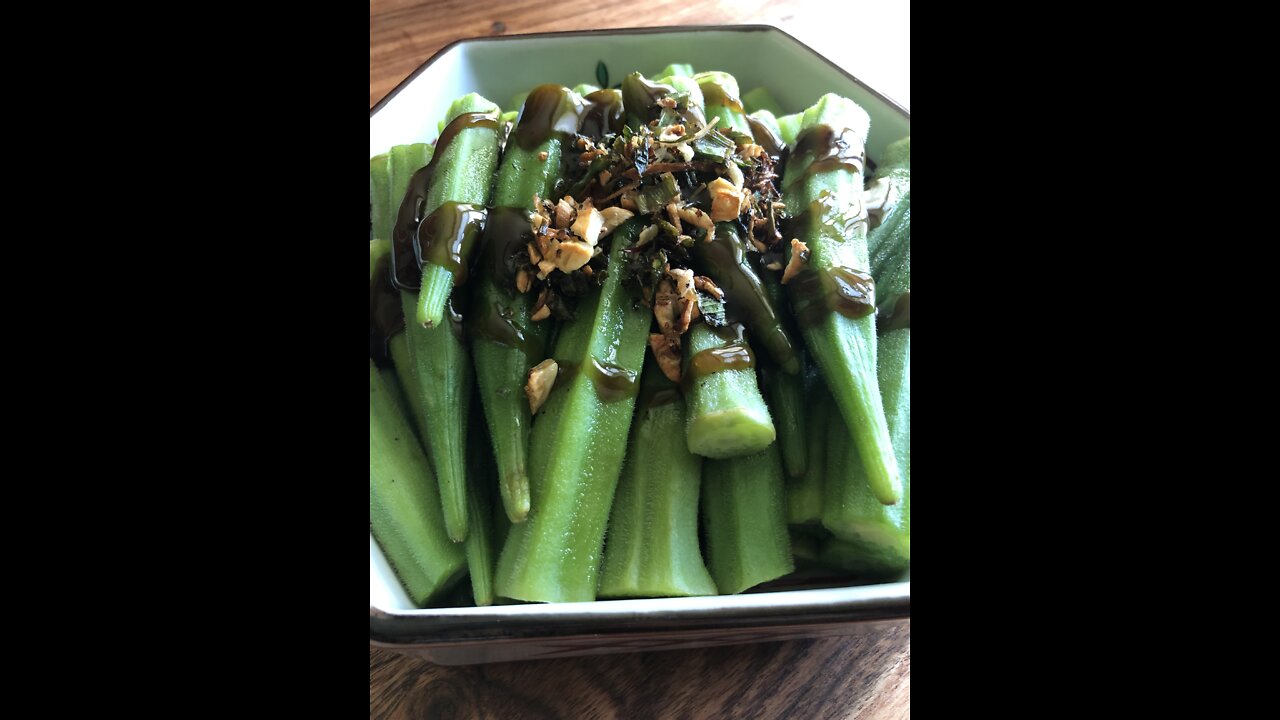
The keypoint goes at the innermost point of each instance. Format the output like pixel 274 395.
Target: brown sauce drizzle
pixel 713 93
pixel 605 115
pixel 448 232
pixel 734 354
pixel 548 110
pixel 640 95
pixel 493 321
pixel 766 138
pixel 386 313
pixel 747 300
pixel 897 315
pixel 612 382
pixel 825 149
pixel 816 292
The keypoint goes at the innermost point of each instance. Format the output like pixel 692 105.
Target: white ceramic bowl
pixel 499 68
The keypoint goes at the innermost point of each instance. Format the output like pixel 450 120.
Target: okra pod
pixel 805 493
pixel 651 548
pixel 462 173
pixel 575 449
pixel 789 127
pixel 444 202
pixel 404 502
pixel 851 510
pixel 720 96
pixel 760 100
pixel 381 211
pixel 506 343
pixel 727 414
pixel 640 97
pixel 832 296
pixel 480 546
pixel 744 514
pixel 675 70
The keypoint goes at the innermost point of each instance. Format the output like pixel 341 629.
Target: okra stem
pixel 745 518
pixel 651 549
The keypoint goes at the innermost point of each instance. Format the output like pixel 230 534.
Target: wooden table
pixel 827 678
pixel 866 678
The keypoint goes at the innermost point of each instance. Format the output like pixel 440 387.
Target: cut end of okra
pixel 730 433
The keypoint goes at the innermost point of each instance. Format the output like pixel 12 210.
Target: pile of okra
pixel 643 341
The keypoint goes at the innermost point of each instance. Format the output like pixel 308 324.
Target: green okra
pixel 404 502
pixel 766 118
pixel 381 213
pixel 881 534
pixel 720 95
pixel 727 414
pixel 892 183
pixel 747 293
pixel 832 296
pixel 787 390
pixel 463 173
pixel 789 127
pixel 480 547
pixel 640 97
pixel 506 342
pixel 675 70
pixel 576 451
pixel 651 548
pixel 438 354
pixel 805 493
pixel 759 100
pixel 744 514
pixel 382 299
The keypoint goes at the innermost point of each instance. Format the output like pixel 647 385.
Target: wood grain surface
pixel 868 678
pixel 869 38
pixel 855 677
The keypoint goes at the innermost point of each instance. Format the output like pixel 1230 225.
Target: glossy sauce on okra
pixel 821 148
pixel 612 382
pixel 734 354
pixel 386 314
pixel 448 233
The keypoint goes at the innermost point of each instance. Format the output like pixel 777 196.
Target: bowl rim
pixel 884 601
pixel 652 30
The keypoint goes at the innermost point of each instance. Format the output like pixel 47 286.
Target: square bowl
pixel 499 68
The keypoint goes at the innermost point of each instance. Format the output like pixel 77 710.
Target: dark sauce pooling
pixel 386 316
pixel 640 95
pixel 734 354
pixel 604 116
pixel 816 293
pixel 447 235
pixel 612 382
pixel 746 298
pixel 549 109
pixel 825 149
pixel 766 138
